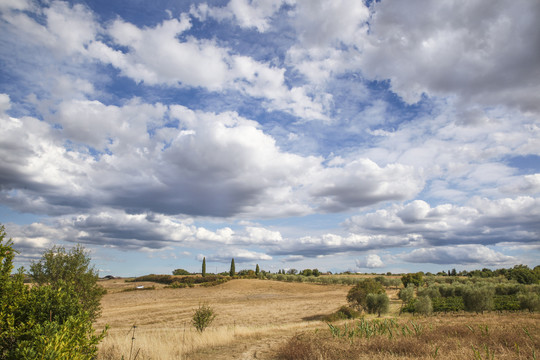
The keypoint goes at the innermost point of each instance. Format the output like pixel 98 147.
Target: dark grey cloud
pixel 482 222
pixel 461 254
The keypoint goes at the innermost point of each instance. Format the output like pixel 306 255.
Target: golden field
pixel 262 319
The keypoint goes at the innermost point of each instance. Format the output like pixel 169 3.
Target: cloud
pixel 246 13
pixel 362 182
pixel 239 255
pixel 474 51
pixel 162 56
pixel 460 254
pixel 483 221
pixel 371 261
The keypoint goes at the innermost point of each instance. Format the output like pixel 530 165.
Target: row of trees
pixel 475 297
pixel 53 318
pixel 520 273
pixel 232 271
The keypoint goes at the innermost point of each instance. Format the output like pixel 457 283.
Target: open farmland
pixel 248 312
pixel 269 319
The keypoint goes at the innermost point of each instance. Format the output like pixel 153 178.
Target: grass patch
pixel 467 337
pixel 343 313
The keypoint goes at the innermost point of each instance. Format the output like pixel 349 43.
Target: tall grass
pixel 179 342
pixel 463 337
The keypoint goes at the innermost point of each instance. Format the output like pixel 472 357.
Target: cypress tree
pixel 232 271
pixel 204 266
pixel 257 270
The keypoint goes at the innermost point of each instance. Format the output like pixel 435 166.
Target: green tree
pixel 257 270
pixel 59 268
pixel 307 272
pixel 42 322
pixel 523 275
pixel 423 305
pixel 357 296
pixel 377 303
pixel 406 294
pixel 416 279
pixel 529 301
pixel 180 272
pixel 478 298
pixel 316 272
pixel 204 266
pixel 232 271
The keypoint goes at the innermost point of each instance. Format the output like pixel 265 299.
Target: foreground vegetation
pixel 53 318
pixel 509 336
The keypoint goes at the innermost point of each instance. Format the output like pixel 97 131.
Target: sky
pixel 341 135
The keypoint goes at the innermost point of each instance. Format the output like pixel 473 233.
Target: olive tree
pixel 478 298
pixel 357 296
pixel 377 303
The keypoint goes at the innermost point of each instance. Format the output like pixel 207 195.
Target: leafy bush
pixel 344 312
pixel 479 298
pixel 180 272
pixel 529 301
pixel 406 295
pixel 448 304
pixel 423 305
pixel 506 303
pixel 377 303
pixel 58 267
pixel 415 279
pixel 203 317
pixel 44 321
pixel 431 291
pixel 357 296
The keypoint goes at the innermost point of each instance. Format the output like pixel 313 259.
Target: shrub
pixel 377 303
pixel 431 292
pixel 58 267
pixel 344 312
pixel 478 299
pixel 423 305
pixel 42 322
pixel 506 303
pixel 415 279
pixel 446 304
pixel 180 272
pixel 529 301
pixel 406 294
pixel 203 317
pixel 357 296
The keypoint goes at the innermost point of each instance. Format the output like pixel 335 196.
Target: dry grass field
pixel 251 316
pixel 278 320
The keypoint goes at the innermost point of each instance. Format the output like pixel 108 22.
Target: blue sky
pixel 339 135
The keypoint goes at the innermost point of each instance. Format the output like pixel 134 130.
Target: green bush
pixel 529 301
pixel 58 268
pixel 406 294
pixel 416 279
pixel 357 296
pixel 479 298
pixel 203 317
pixel 448 304
pixel 506 303
pixel 180 272
pixel 377 303
pixel 423 305
pixel 431 291
pixel 44 321
pixel 343 313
